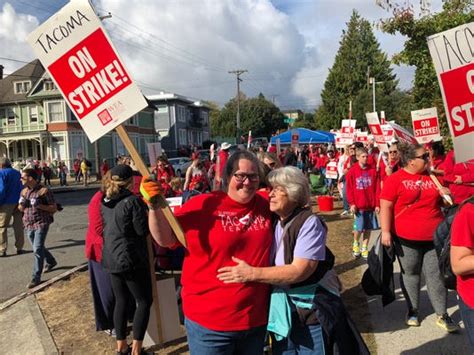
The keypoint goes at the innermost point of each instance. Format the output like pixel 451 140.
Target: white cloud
pixel 14 28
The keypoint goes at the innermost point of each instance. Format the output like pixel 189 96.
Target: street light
pixel 373 82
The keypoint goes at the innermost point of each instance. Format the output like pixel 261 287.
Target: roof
pixel 32 71
pixel 166 96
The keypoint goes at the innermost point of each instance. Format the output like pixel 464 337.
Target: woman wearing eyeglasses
pixel 391 164
pixel 219 318
pixel 410 211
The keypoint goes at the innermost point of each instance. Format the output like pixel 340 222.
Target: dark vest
pixel 298 217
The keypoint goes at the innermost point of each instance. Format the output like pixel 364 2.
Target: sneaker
pixel 344 213
pixel 33 284
pixel 412 319
pixel 447 323
pixel 355 249
pixel 364 252
pixel 49 267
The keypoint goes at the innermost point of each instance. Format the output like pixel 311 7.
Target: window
pixel 181 113
pixel 133 120
pixel 162 109
pixel 182 137
pixel 55 111
pixel 22 87
pixel 9 114
pixel 33 110
pixel 204 117
pixel 58 147
pixel 49 85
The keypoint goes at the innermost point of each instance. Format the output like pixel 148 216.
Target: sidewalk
pixel 394 337
pixel 72 186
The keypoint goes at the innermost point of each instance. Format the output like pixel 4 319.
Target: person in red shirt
pixel 217 227
pixel 410 211
pixel 437 157
pixel 362 194
pixel 462 263
pixel 459 177
pixel 104 167
pixel 222 157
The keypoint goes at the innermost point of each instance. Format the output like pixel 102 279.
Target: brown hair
pixel 407 152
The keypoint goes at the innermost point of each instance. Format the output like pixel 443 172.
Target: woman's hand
pixel 242 272
pixel 387 239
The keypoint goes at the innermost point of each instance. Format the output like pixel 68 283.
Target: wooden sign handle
pixel 142 168
pixel 447 198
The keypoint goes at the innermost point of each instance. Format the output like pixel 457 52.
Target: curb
pixel 41 286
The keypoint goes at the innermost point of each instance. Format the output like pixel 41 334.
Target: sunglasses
pixel 240 177
pixel 393 151
pixel 424 156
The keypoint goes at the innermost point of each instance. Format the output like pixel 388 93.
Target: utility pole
pixel 238 73
pixel 372 81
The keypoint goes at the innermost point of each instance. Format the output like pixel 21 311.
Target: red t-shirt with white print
pixel 462 235
pixel 419 221
pixel 217 228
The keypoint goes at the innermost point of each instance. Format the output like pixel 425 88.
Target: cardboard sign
pixel 362 137
pixel 426 125
pixel 376 130
pixel 154 152
pixel 348 129
pixel 73 47
pixel 295 138
pixel 452 52
pixel 388 133
pixel 331 170
pixel 402 134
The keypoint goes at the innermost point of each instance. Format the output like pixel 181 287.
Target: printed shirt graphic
pixel 363 187
pixel 420 220
pixel 216 229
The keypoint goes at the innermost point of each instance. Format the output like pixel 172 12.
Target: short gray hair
pixel 293 181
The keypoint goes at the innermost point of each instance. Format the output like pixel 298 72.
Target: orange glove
pixel 150 189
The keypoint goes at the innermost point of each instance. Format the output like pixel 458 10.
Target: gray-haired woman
pixel 298 247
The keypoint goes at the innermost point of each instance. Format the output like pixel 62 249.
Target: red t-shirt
pixel 462 235
pixel 452 169
pixel 217 228
pixel 363 187
pixel 418 221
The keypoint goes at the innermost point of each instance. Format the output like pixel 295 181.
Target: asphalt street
pixel 65 240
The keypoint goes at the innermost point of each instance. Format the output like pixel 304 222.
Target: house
pixel 180 121
pixel 36 123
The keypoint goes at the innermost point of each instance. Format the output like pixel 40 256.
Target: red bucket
pixel 325 203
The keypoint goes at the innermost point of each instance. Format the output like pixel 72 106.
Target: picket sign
pixel 154 152
pixel 388 132
pixel 425 125
pixel 402 134
pixel 331 170
pixel 452 52
pixel 376 130
pixel 295 138
pixel 348 128
pixel 74 48
pixel 362 137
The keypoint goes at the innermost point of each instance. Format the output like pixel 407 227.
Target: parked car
pixel 180 165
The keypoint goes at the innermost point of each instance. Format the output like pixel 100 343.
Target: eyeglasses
pixel 23 178
pixel 424 156
pixel 393 151
pixel 240 177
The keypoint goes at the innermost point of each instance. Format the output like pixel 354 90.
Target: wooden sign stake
pixel 142 168
pixel 447 198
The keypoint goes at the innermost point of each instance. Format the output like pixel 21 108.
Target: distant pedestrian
pixel 86 166
pixel 38 205
pixel 363 191
pixel 10 189
pixel 104 167
pixel 62 173
pixel 47 172
pixel 77 170
pixel 222 157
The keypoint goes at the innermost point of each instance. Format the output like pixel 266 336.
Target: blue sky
pixel 187 46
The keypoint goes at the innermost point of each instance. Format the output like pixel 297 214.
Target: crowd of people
pixel 256 259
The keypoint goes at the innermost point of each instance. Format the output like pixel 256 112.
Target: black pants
pixel 139 284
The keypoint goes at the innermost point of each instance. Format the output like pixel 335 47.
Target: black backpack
pixel 442 243
pixel 88 163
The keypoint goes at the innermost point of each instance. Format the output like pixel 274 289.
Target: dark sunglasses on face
pixel 393 151
pixel 240 177
pixel 424 156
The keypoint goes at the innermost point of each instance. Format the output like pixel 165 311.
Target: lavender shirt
pixel 310 243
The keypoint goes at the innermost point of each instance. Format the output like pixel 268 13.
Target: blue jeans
pixel 302 340
pixel 467 314
pixel 37 238
pixel 345 203
pixel 203 341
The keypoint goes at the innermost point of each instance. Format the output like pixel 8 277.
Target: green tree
pixel 359 56
pixel 426 92
pixel 257 114
pixel 307 121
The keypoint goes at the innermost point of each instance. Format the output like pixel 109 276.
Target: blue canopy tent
pixel 307 136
